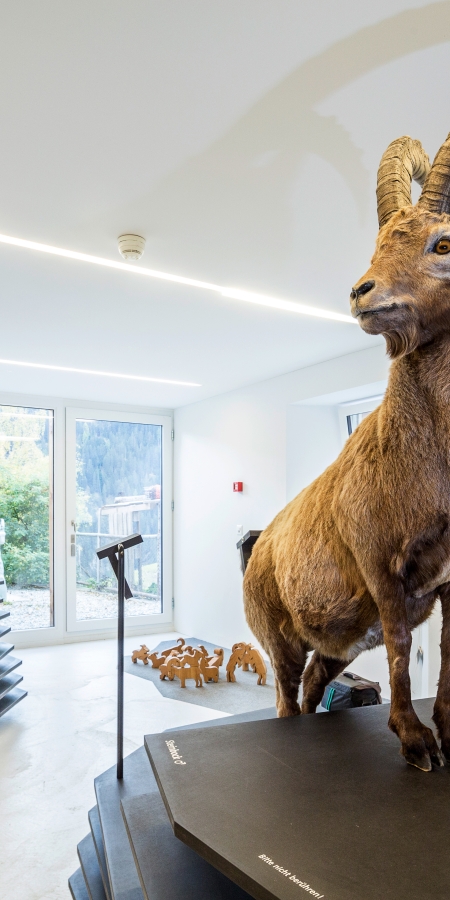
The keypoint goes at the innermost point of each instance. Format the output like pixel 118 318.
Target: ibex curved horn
pixel 436 193
pixel 403 161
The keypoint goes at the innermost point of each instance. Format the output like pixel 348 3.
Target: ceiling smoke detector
pixel 131 246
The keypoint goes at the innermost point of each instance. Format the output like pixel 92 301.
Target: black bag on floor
pixel 349 691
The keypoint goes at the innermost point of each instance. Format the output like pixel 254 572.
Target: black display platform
pixel 167 868
pixel 124 842
pixel 320 806
pixel 137 778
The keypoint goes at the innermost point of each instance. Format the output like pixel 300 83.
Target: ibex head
pixel 405 295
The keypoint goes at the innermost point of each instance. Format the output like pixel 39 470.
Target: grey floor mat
pixel 242 696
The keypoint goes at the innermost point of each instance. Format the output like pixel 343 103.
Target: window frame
pixel 100 413
pixel 37 404
pixel 58 632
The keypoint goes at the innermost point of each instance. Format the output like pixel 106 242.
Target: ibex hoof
pixel 422 762
pixel 424 759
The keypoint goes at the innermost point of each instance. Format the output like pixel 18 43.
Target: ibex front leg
pixel 418 743
pixel 441 714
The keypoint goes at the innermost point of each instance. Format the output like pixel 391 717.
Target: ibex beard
pixel 360 557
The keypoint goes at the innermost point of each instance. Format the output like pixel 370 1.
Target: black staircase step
pixel 4 629
pixel 10 700
pixel 96 831
pixel 4 615
pixel 5 649
pixel 8 664
pixel 138 778
pixel 77 886
pixel 8 683
pixel 168 869
pixel 91 868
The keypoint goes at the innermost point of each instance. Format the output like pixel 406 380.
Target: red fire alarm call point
pixel 238 486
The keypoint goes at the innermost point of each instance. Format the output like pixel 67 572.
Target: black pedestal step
pixel 4 615
pixel 91 868
pixel 167 868
pixel 77 886
pixel 137 779
pixel 9 664
pixel 8 683
pixel 4 629
pixel 324 803
pixel 5 649
pixel 10 700
pixel 97 836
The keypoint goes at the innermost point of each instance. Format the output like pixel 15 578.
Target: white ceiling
pixel 241 138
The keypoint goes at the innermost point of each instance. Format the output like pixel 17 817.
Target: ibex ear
pixel 435 196
pixel 404 160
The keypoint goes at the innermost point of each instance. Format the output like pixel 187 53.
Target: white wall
pixel 243 436
pixel 313 441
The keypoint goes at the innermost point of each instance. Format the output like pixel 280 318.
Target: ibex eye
pixel 442 246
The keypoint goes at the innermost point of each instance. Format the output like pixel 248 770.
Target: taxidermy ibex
pixel 360 557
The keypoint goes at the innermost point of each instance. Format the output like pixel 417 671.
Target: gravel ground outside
pixel 31 608
pixel 93 605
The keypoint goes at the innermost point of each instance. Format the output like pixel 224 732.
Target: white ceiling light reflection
pixel 32 365
pixel 231 293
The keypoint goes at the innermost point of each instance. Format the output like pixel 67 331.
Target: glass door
pixel 119 481
pixel 26 516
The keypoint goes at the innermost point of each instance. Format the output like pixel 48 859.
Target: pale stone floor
pixel 52 746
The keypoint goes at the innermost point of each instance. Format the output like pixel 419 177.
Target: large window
pixel 71 481
pixel 116 467
pixel 26 516
pixel 118 493
pixel 352 414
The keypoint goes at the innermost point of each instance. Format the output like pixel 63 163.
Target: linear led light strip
pixel 15 362
pixel 232 293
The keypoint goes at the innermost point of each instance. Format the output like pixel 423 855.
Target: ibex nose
pixel 364 288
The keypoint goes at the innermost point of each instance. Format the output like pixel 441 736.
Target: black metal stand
pixel 118 565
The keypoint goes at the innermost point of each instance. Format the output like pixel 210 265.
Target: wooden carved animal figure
pixel 209 665
pixel 209 672
pixel 253 658
pixel 158 657
pixel 360 557
pixel 188 666
pixel 236 657
pixel 166 667
pixel 140 654
pixel 244 663
pixel 215 659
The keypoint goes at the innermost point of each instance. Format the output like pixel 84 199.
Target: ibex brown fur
pixel 360 557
